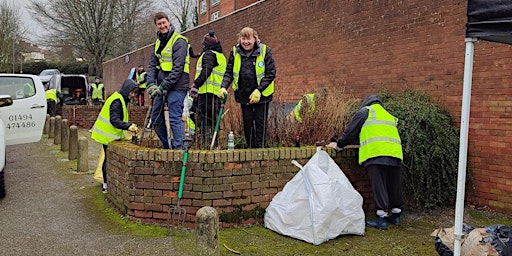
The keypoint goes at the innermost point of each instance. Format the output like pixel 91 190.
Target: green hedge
pixel 430 142
pixel 34 67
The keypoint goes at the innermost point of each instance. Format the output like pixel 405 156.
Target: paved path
pixel 45 211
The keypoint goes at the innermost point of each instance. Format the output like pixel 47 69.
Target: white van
pixel 22 113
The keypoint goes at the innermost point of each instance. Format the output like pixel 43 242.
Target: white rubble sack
pixel 318 204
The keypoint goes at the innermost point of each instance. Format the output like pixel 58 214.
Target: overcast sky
pixel 33 28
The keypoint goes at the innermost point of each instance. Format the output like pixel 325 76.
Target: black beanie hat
pixel 210 39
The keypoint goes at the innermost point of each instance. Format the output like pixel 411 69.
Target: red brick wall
pixel 140 179
pixel 363 47
pixel 85 116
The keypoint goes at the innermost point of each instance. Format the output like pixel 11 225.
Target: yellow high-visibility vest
pixel 165 57
pixel 379 135
pixel 310 97
pixel 140 78
pixel 260 70
pixel 96 91
pixel 51 94
pixel 213 82
pixel 103 131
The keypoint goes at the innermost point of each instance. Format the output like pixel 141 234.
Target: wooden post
pixel 46 128
pixel 58 127
pixel 51 133
pixel 83 155
pixel 73 142
pixel 64 144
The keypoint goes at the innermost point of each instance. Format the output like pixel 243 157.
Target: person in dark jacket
pixel 210 69
pixel 252 71
pixel 380 153
pixel 140 78
pixel 112 122
pixel 168 72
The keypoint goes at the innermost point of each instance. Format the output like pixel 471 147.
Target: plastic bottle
pixel 231 141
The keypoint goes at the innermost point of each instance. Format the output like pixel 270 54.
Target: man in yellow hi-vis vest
pixel 97 91
pixel 140 77
pixel 52 98
pixel 112 122
pixel 168 72
pixel 252 71
pixel 210 69
pixel 380 152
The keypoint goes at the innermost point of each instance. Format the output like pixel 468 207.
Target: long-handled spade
pixel 167 120
pixel 219 118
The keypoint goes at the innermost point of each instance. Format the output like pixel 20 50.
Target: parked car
pixel 22 114
pixel 47 74
pixel 74 89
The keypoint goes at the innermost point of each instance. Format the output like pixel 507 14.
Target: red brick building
pixel 362 47
pixel 210 10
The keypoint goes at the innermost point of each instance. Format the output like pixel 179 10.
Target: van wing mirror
pixel 5 100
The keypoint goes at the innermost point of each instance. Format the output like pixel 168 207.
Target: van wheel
pixel 2 184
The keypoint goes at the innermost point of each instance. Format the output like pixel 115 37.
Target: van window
pixel 17 87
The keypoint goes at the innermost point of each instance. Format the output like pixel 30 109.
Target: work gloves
pixel 154 91
pixel 222 93
pixel 334 145
pixel 193 91
pixel 133 128
pixel 255 97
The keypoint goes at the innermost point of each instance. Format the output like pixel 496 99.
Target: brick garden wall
pixel 363 47
pixel 239 183
pixel 85 116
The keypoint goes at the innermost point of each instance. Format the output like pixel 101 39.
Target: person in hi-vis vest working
pixel 210 69
pixel 380 153
pixel 252 71
pixel 168 71
pixel 97 91
pixel 113 122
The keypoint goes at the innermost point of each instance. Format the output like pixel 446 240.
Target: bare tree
pixel 184 12
pixel 94 28
pixel 10 35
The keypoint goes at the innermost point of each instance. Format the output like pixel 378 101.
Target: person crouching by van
pixel 97 91
pixel 52 98
pixel 112 122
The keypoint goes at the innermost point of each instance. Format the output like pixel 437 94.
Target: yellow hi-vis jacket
pixel 51 94
pixel 103 131
pixel 96 91
pixel 310 97
pixel 260 70
pixel 379 135
pixel 165 57
pixel 140 78
pixel 212 83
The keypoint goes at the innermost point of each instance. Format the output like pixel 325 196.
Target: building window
pixel 215 2
pixel 215 15
pixel 203 7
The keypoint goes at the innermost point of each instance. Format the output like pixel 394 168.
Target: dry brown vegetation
pixel 331 113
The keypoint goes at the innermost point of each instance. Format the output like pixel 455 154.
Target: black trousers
pixel 52 107
pixel 206 109
pixel 386 186
pixel 104 165
pixel 255 124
